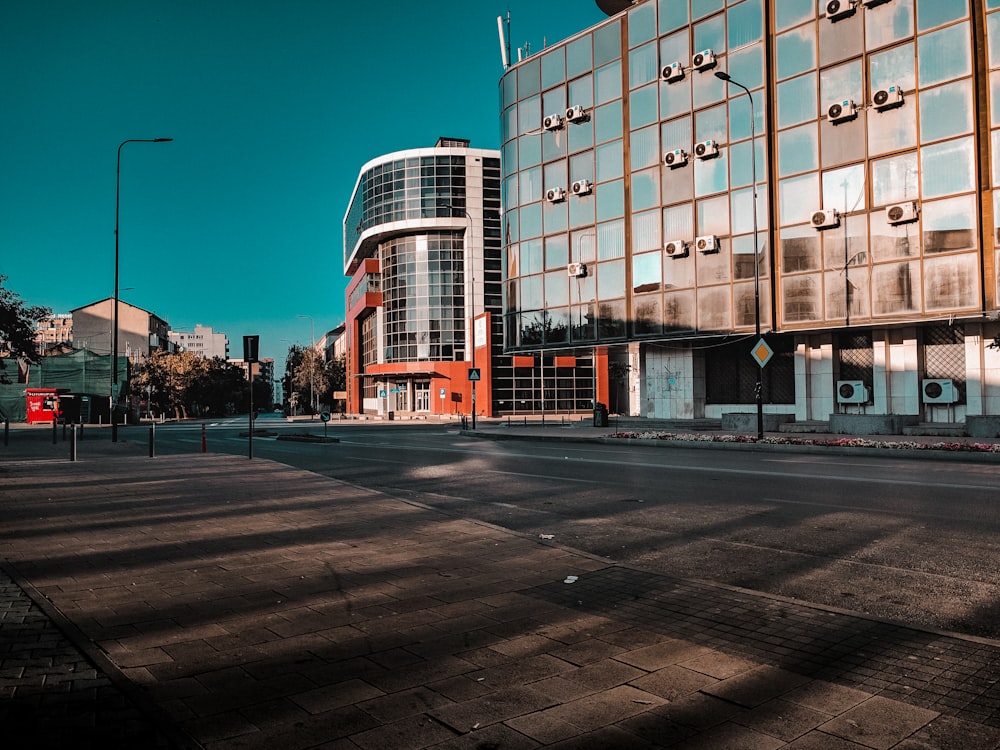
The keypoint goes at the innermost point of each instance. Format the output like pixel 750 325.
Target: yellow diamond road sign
pixel 762 353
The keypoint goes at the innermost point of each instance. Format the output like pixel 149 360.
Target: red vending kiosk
pixel 43 404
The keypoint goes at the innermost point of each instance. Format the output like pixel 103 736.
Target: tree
pixel 306 377
pixel 17 327
pixel 184 384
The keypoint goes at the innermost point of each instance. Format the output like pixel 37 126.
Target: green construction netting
pixel 81 372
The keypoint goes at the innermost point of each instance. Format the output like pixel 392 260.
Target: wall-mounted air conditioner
pixel 676 249
pixel 938 391
pixel 900 213
pixel 852 392
pixel 706 149
pixel 703 60
pixel 842 111
pixel 887 98
pixel 555 195
pixel 552 122
pixel 837 10
pixel 706 244
pixel 676 158
pixel 672 72
pixel 576 114
pixel 581 187
pixel 872 3
pixel 577 270
pixel 825 218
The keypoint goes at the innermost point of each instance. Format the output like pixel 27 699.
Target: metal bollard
pixel 6 433
pixel 72 444
pixel 152 440
pixel 204 441
pixel 55 432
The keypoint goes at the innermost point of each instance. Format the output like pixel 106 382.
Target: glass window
pixel 645 189
pixel 554 103
pixel 610 200
pixel 892 129
pixel 556 289
pixel 641 24
pixel 643 106
pixel 893 241
pixel 946 111
pixel 791 12
pixel 584 246
pixel 581 167
pixel 706 88
pixel 841 40
pixel 611 280
pixel 531 257
pixel 713 216
pixel 529 151
pixel 677 184
pixel 746 24
pixel 846 246
pixel 554 144
pixel 799 198
pixel 607 122
pixel 740 169
pixel 607 43
pixel 894 67
pixel 844 189
pixel 581 92
pixel 531 220
pixel 711 175
pixel 610 161
pixel 557 251
pixel 528 77
pixel 678 223
pixel 673 15
pixel 608 83
pixel 579 56
pixel 530 186
pixel 529 115
pixel 509 87
pixel 931 13
pixel 553 67
pixel 844 141
pixel 798 150
pixel 796 51
pixel 841 83
pixel 799 249
pixel 676 134
pixel 611 240
pixel 894 179
pixel 797 100
pixel 714 308
pixel 995 144
pixel 532 294
pixel 555 174
pixel 746 65
pixel 801 298
pixel 945 54
pixel 645 148
pixel 739 114
pixel 847 294
pixel 675 98
pixel 896 288
pixel 701 8
pixel 711 124
pixel 581 210
pixel 711 34
pixel 643 65
pixel 678 272
pixel 888 23
pixel 646 318
pixel 993 38
pixel 995 97
pixel 743 257
pixel 646 231
pixel 554 216
pixel 947 168
pixel 647 272
pixel 949 225
pixel 951 283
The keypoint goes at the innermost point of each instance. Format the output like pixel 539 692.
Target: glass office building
pixel 422 248
pixel 866 251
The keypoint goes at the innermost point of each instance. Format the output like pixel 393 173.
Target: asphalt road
pixel 911 540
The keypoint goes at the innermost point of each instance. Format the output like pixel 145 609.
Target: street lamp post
pixel 312 362
pixel 114 334
pixel 758 388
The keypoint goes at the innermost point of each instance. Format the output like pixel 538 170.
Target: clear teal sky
pixel 273 106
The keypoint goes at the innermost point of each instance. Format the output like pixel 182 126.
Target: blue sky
pixel 273 106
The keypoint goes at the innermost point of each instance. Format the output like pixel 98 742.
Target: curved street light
pixel 758 388
pixel 114 337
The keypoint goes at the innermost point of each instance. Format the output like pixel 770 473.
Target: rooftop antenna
pixel 503 44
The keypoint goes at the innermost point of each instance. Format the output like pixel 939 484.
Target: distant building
pixel 52 331
pixel 140 332
pixel 203 341
pixel 333 343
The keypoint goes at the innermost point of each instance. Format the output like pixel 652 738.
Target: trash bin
pixel 600 415
pixel 392 415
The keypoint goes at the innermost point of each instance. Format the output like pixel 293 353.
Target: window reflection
pixel 798 149
pixel 608 83
pixel 799 249
pixel 646 315
pixel 841 40
pixel 646 272
pixel 579 56
pixel 949 225
pixel 896 288
pixel 714 268
pixel 645 148
pixel 840 83
pixel 553 67
pixel 672 14
pixel 557 251
pixel 796 51
pixel 931 13
pixel 951 283
pixel 646 231
pixel 799 198
pixel 531 257
pixel 801 298
pixel 710 34
pixel 556 289
pixel 711 175
pixel 711 124
pixel 611 240
pixel 610 161
pixel 746 24
pixel 844 189
pixel 641 24
pixel 678 311
pixel 611 279
pixel 643 106
pixel 847 295
pixel 944 55
pixel 607 122
pixel 611 320
pixel 678 223
pixel 844 141
pixel 947 168
pixel 643 65
pixel 888 23
pixel 713 216
pixel 607 43
pixel 645 189
pixel 746 65
pixel 946 111
pixel 894 67
pixel 894 179
pixel 610 200
pixel 797 100
pixel 714 309
pixel 743 257
pixel 893 242
pixel 790 12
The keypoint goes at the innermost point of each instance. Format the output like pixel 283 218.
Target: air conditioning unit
pixel 938 391
pixel 887 98
pixel 552 122
pixel 676 158
pixel 706 244
pixel 842 111
pixel 676 249
pixel 672 72
pixel 703 60
pixel 706 149
pixel 581 187
pixel 901 213
pixel 872 3
pixel 837 10
pixel 852 392
pixel 577 270
pixel 555 195
pixel 576 114
pixel 825 218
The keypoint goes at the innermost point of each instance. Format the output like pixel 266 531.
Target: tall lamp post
pixel 114 335
pixel 758 388
pixel 312 361
pixel 470 264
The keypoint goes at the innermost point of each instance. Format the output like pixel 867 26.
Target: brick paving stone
pixel 879 722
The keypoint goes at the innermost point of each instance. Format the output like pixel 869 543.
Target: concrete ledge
pixel 871 424
pixel 745 421
pixel 982 426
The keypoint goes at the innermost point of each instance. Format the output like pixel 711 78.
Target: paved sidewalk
pixel 212 601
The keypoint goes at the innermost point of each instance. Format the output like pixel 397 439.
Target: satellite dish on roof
pixel 613 7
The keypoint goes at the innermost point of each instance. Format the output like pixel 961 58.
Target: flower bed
pixel 844 442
